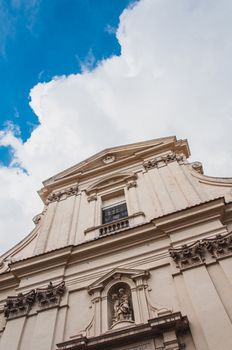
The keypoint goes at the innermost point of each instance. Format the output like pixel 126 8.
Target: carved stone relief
pixel 110 158
pixel 21 304
pixel 120 297
pixel 198 252
pixel 163 160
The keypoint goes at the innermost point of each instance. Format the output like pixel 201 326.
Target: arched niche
pixel 133 281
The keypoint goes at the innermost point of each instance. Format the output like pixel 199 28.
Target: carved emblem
pixel 168 158
pixel 110 158
pixel 19 305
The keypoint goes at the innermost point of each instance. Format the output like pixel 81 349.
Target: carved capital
pixel 197 252
pixel 188 255
pixel 131 184
pixel 163 160
pixel 92 197
pixel 19 305
pixel 67 192
pixel 51 295
pixel 219 246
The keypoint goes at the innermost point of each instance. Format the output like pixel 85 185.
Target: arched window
pixel 120 307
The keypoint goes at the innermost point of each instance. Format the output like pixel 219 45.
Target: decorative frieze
pixel 163 160
pixel 197 252
pixel 21 304
pixel 57 196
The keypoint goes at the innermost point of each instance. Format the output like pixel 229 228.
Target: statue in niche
pixel 121 305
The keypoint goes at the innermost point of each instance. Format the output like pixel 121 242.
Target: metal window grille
pixel 113 213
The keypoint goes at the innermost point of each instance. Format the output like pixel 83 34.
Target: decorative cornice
pixel 20 305
pixel 163 160
pixel 196 253
pixel 57 196
pixel 159 325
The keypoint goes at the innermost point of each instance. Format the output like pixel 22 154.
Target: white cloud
pixel 173 77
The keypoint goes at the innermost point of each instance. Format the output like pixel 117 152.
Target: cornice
pixel 189 216
pixel 156 326
pixel 105 244
pixel 41 262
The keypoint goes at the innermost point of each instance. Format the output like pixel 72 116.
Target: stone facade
pixel 133 251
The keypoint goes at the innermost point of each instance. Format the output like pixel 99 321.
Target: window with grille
pixel 114 212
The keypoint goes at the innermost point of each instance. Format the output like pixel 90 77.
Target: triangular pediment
pixel 116 274
pixel 111 157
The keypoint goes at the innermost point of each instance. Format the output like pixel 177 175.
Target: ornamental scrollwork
pixel 67 192
pixel 21 304
pixel 165 159
pixel 197 252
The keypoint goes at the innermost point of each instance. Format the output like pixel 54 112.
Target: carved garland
pixel 21 304
pixel 195 253
pixel 163 160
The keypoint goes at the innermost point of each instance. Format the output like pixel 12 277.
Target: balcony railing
pixel 115 226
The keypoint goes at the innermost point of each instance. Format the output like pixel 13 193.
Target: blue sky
pixel 79 76
pixel 40 39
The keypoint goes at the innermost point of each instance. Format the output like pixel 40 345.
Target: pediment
pixel 111 157
pixel 109 181
pixel 116 274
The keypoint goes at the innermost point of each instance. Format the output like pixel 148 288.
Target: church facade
pixel 133 251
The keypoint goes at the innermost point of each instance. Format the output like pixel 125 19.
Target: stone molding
pixel 160 161
pixel 160 325
pixel 57 196
pixel 21 304
pixel 197 253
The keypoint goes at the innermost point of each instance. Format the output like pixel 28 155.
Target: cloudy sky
pixel 78 76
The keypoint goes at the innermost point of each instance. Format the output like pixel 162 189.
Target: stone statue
pixel 122 310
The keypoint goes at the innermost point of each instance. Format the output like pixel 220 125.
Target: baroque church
pixel 132 251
